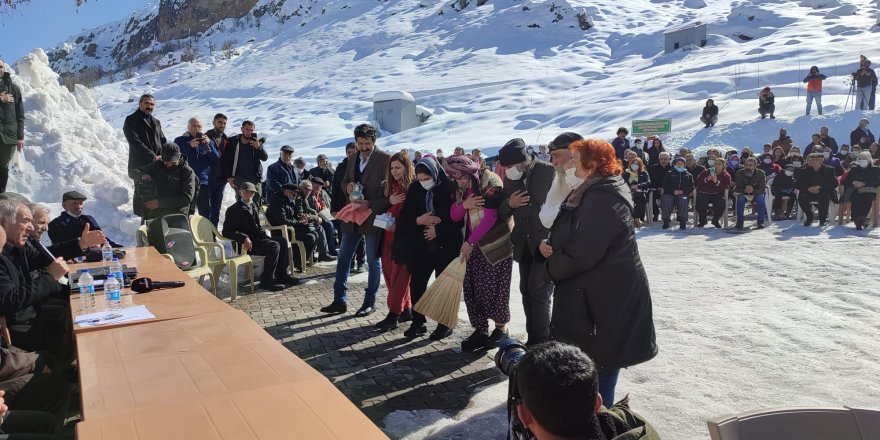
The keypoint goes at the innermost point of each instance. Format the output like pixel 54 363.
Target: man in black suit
pixel 242 224
pixel 144 134
pixel 72 224
pixel 816 183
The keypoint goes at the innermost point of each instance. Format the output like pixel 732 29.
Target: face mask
pixel 427 184
pixel 711 162
pixel 826 155
pixel 797 164
pixel 768 161
pixel 864 163
pixel 680 169
pixel 513 173
pixel 634 167
pixel 572 180
pixel 734 163
pixel 789 173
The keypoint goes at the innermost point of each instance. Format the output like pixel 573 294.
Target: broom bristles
pixel 441 301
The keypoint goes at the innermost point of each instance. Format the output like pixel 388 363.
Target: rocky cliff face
pixel 186 18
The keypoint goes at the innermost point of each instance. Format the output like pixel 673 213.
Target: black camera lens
pixel 509 354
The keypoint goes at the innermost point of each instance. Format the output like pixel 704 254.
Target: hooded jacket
pixel 602 302
pixel 175 187
pixel 12 113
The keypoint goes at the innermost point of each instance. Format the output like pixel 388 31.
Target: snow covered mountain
pixel 491 70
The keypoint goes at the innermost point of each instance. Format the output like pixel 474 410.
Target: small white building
pixel 395 111
pixel 691 34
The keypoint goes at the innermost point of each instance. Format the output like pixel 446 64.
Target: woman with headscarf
pixel 602 302
pixel 398 178
pixel 487 250
pixel 427 239
pixel 861 185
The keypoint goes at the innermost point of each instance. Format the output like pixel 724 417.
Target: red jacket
pixel 704 185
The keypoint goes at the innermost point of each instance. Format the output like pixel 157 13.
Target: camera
pixel 507 358
pixel 261 140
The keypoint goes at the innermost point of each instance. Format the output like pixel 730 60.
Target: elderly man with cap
pixel 527 182
pixel 242 224
pixel 287 208
pixel 560 157
pixel 74 226
pixel 319 201
pixel 816 183
pixel 281 172
pixel 299 167
pixel 175 184
pixel 862 135
pixel 323 170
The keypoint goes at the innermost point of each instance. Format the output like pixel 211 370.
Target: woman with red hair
pixel 602 302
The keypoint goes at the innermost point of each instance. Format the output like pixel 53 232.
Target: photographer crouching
pixel 554 395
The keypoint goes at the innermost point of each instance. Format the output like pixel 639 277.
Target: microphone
pixel 144 285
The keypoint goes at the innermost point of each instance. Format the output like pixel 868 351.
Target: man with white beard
pixel 559 190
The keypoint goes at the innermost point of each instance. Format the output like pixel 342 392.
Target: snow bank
pixel 69 146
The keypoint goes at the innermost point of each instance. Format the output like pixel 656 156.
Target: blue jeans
pixel 741 207
pixel 330 233
pixel 863 98
pixel 818 97
pixel 346 253
pixel 607 384
pixel 215 200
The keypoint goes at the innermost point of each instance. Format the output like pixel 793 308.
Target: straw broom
pixel 440 302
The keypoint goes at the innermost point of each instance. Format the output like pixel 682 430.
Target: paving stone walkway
pixel 379 372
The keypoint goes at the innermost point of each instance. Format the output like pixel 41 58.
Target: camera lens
pixel 509 355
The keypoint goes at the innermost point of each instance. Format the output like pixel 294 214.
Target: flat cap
pixel 73 195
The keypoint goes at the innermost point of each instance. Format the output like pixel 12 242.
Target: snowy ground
pixel 786 316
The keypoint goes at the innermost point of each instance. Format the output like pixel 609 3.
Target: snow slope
pixel 769 318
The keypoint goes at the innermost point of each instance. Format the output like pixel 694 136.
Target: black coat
pixel 145 139
pixel 16 288
pixel 870 176
pixel 66 227
pixel 234 147
pixel 175 188
pixel 283 211
pixel 807 177
pixel 602 302
pixel 528 230
pixel 326 174
pixel 240 223
pixel 657 174
pixel 338 198
pixel 410 244
pixel 856 136
pixel 675 181
pixel 11 114
pixel 710 110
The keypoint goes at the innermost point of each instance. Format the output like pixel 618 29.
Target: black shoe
pixel 288 280
pixel 335 307
pixel 808 221
pixel 441 332
pixel 682 225
pixel 271 286
pixel 665 224
pixel 739 225
pixel 712 124
pixel 716 224
pixel 772 117
pixel 707 126
pixel 333 253
pixel 365 310
pixel 763 116
pixel 326 258
pixel 358 269
pixel 406 315
pixel 858 225
pixel 415 330
pixel 389 323
pixel 475 341
pixel 496 337
pixel 701 224
pixel 760 225
pixel 823 222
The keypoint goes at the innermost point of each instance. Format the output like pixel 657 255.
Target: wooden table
pixel 182 302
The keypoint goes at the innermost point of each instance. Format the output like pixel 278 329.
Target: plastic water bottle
pixel 112 293
pixel 86 289
pixel 116 268
pixel 106 254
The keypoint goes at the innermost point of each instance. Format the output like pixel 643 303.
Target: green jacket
pixel 641 429
pixel 11 114
pixel 175 188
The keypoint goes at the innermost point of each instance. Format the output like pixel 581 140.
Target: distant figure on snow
pixel 766 105
pixel 814 89
pixel 710 114
pixel 866 84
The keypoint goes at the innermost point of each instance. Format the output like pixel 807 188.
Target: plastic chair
pixel 832 211
pixel 289 235
pixel 798 423
pixel 207 237
pixel 197 273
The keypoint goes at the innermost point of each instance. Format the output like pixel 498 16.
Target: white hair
pixel 38 209
pixel 866 155
pixel 9 210
pixel 665 153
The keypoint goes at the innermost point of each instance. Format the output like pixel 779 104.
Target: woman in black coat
pixel 426 238
pixel 602 302
pixel 710 113
pixel 861 186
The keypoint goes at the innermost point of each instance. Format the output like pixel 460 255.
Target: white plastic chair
pixel 798 424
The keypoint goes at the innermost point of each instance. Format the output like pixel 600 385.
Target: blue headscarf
pixel 429 165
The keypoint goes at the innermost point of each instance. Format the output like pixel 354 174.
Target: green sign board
pixel 651 126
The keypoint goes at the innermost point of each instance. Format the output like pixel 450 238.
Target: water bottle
pixel 86 289
pixel 116 268
pixel 112 293
pixel 106 254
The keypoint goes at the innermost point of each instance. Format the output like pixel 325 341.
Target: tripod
pixel 852 93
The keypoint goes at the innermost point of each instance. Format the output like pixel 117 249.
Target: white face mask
pixel 634 167
pixel 711 162
pixel 768 161
pixel 789 173
pixel 513 173
pixel 826 155
pixel 427 184
pixel 864 163
pixel 797 164
pixel 572 180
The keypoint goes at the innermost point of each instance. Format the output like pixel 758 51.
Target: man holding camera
pixel 174 182
pixel 559 399
pixel 202 156
pixel 243 160
pixel 11 123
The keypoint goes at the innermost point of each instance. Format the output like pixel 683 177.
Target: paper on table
pixel 97 319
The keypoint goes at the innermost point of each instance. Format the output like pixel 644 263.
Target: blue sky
pixel 45 23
